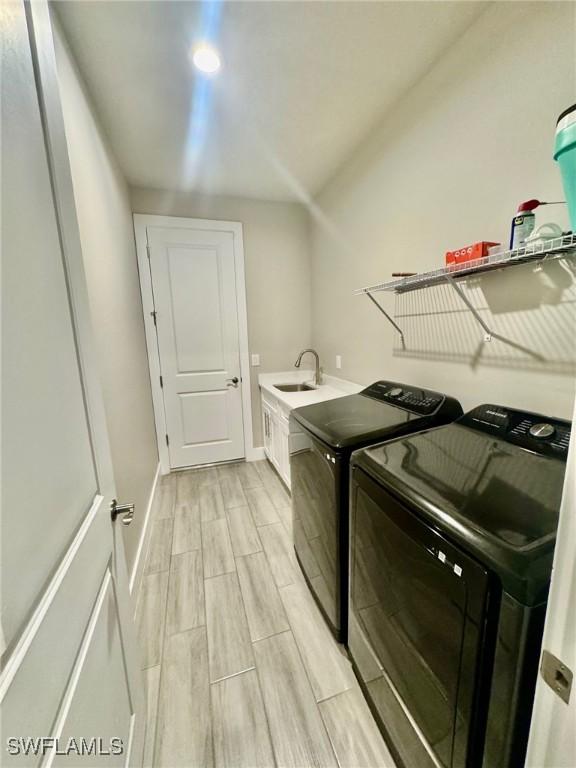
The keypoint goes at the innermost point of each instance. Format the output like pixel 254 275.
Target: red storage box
pixel 469 253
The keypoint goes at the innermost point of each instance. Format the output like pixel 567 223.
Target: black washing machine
pixel 452 540
pixel 322 437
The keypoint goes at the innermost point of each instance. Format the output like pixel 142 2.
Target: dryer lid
pixel 483 485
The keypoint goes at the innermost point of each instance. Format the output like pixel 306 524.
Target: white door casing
pixel 552 740
pixel 69 658
pixel 192 280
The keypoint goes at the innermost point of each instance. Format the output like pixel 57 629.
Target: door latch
pixel 234 381
pixel 126 510
pixel 557 675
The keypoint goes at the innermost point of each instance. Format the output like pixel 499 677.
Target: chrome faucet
pixel 318 373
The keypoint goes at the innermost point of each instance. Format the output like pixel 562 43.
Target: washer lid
pixel 497 498
pixel 383 410
pixel 352 420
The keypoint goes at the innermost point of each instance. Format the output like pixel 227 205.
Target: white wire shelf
pixel 550 249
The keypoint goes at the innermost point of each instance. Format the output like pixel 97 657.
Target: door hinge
pixel 153 315
pixel 167 440
pixel 161 382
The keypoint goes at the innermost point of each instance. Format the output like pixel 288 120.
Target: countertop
pixel 330 388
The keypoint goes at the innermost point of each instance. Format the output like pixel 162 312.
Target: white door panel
pixel 44 417
pixel 66 620
pixel 101 666
pixel 204 416
pixel 33 696
pixel 194 277
pixel 194 284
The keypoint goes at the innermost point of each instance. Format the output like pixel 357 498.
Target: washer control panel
pixel 422 401
pixel 548 436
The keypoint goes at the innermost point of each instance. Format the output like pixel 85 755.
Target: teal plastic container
pixel 565 155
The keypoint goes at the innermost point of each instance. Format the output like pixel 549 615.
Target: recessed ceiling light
pixel 206 59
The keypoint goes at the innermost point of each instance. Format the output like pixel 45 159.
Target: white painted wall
pixel 107 236
pixel 447 167
pixel 277 264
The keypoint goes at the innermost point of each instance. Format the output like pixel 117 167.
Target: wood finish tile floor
pixel 240 670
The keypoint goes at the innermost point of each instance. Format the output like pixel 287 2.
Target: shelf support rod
pixel 489 332
pixel 387 316
pixel 470 306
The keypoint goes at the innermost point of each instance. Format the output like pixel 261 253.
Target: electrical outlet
pixel 255 360
pixel 338 361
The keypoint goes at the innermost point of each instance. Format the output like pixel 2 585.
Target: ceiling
pixel 302 84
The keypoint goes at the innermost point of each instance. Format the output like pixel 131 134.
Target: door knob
pixel 126 510
pixel 232 382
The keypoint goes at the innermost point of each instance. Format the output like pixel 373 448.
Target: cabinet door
pixel 270 430
pixel 283 435
pixel 266 429
pixel 273 433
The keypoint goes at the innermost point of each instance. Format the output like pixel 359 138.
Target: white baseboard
pixel 255 454
pixel 136 576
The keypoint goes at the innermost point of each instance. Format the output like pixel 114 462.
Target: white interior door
pixel 70 682
pixel 194 284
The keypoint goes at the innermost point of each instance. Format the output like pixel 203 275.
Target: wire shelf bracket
pixel 489 334
pixel 388 317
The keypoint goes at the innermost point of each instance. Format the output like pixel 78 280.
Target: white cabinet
pixel 275 427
